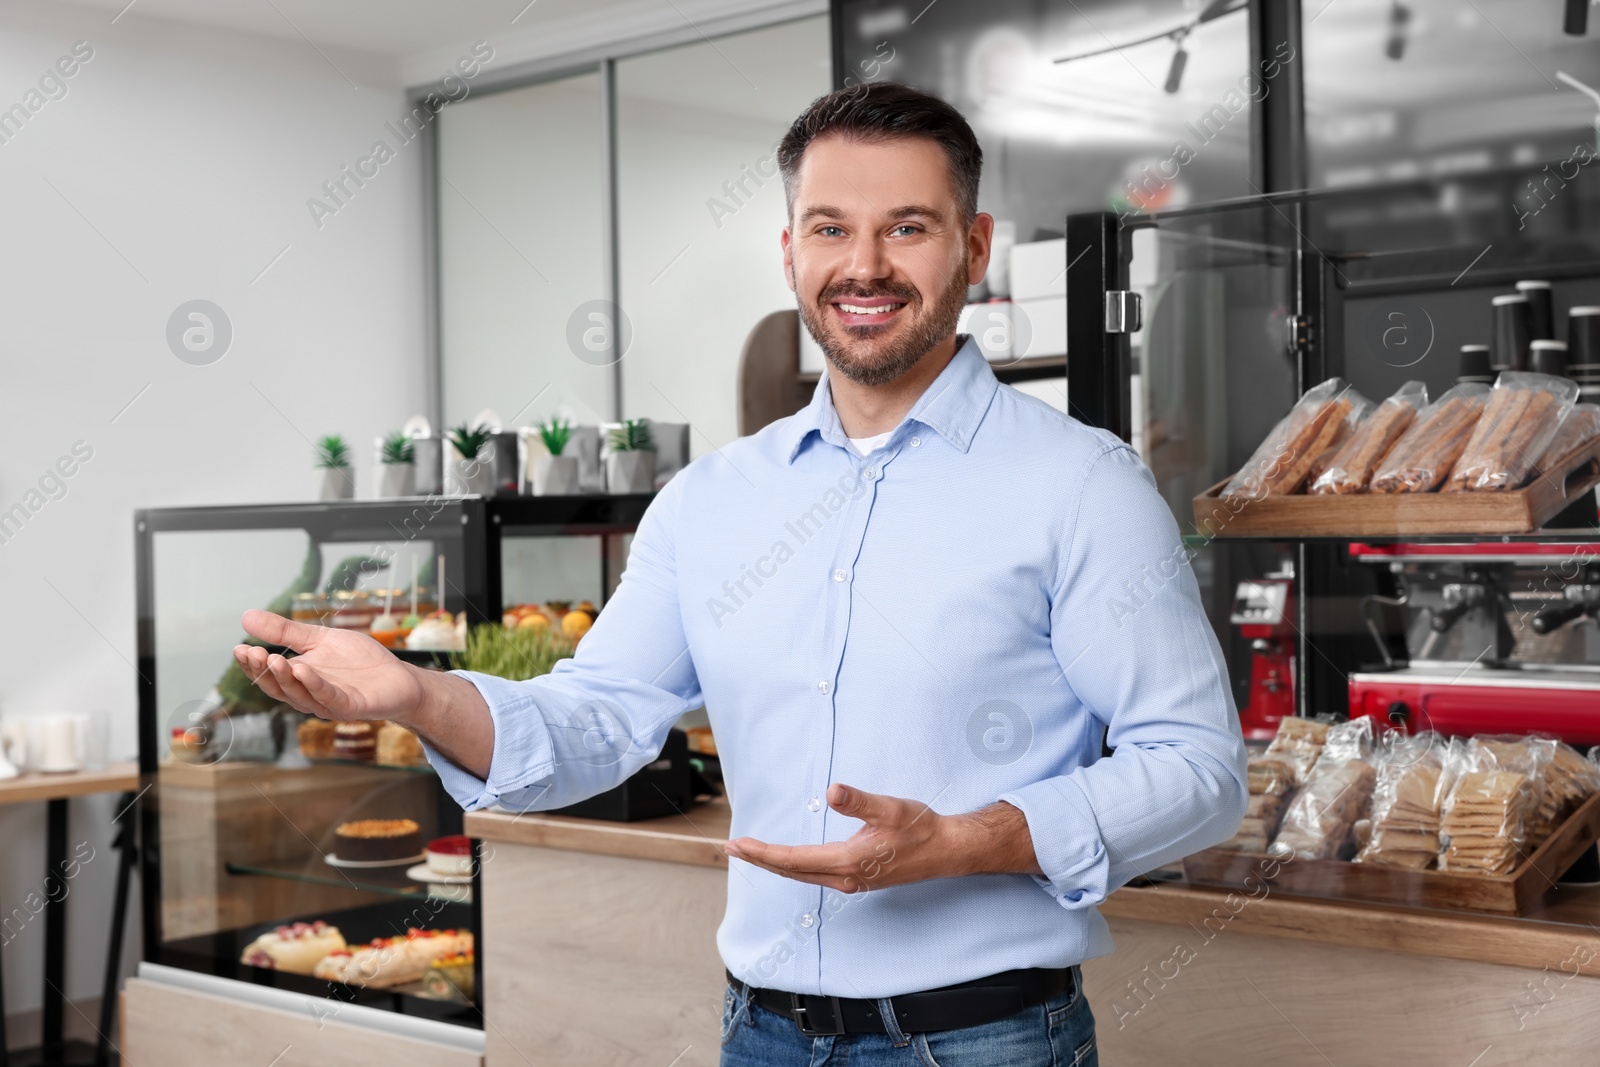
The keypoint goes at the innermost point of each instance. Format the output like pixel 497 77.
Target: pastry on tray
pixel 390 961
pixel 377 840
pixel 451 977
pixel 316 737
pixel 296 948
pixel 355 740
pixel 399 747
pixel 450 856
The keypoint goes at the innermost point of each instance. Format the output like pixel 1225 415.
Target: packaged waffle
pixel 1283 461
pixel 1348 468
pixel 1424 456
pixel 1337 793
pixel 1298 744
pixel 1494 805
pixel 1518 423
pixel 1415 772
pixel 1581 426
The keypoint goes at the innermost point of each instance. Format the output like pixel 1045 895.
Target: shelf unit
pixel 233 848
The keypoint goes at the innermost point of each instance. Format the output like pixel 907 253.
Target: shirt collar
pixel 952 406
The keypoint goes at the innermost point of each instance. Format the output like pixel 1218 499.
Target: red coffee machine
pixel 1263 610
pixel 1500 638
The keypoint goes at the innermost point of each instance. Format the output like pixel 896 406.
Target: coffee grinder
pixel 1263 609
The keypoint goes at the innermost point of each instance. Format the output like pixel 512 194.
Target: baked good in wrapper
pixel 1337 792
pixel 1415 773
pixel 1580 427
pixel 1282 463
pixel 1484 822
pixel 1519 421
pixel 1426 454
pixel 1297 744
pixel 1349 468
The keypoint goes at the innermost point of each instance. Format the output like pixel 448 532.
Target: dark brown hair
pixel 875 112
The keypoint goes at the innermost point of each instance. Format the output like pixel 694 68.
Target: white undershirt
pixel 864 446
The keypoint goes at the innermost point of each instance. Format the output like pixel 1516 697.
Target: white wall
pixel 177 166
pixel 700 211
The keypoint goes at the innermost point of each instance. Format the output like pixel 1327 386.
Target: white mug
pixel 56 742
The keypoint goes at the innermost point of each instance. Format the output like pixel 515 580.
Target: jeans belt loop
pixel 802 1016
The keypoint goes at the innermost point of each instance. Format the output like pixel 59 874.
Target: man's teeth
pixel 857 309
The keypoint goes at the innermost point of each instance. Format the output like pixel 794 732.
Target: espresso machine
pixel 1263 609
pixel 1499 637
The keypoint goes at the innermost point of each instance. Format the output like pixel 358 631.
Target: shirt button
pixel 916 442
pixel 814 804
pixel 807 920
pixel 870 473
pixel 840 575
pixel 823 686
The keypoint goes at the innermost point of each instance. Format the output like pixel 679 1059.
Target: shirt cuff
pixel 523 755
pixel 1066 841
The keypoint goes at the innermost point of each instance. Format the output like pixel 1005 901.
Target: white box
pixel 1039 327
pixel 990 324
pixel 1039 269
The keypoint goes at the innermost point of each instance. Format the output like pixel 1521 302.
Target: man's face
pixel 877 253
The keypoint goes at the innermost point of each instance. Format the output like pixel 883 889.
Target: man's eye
pixel 830 231
pixel 904 230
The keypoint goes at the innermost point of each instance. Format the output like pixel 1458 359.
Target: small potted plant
pixel 397 469
pixel 333 459
pixel 474 474
pixel 631 462
pixel 555 474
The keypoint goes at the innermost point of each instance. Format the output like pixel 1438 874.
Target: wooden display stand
pixel 1400 514
pixel 1509 894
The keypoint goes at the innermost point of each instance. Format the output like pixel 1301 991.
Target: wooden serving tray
pixel 1498 894
pixel 1398 514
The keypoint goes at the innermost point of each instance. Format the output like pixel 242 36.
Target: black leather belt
pixel 984 1000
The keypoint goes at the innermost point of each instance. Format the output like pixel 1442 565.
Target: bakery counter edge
pixel 1557 935
pixel 694 838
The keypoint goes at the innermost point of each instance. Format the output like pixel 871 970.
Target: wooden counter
pixel 1280 980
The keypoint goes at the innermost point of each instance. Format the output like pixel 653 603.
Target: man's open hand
pixel 338 674
pixel 903 841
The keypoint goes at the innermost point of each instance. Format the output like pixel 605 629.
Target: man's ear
pixel 788 259
pixel 980 241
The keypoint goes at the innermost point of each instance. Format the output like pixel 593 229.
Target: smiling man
pixel 897 607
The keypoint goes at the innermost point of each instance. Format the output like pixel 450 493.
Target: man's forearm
pixel 455 720
pixel 993 840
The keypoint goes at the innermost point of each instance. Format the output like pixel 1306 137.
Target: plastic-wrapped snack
pixel 1567 781
pixel 1361 410
pixel 1318 823
pixel 1349 468
pixel 1260 823
pixel 1581 426
pixel 1426 453
pixel 1298 743
pixel 1270 776
pixel 1348 740
pixel 1520 420
pixel 1484 822
pixel 1282 462
pixel 1407 802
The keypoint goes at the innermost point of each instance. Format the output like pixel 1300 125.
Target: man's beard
pixel 884 362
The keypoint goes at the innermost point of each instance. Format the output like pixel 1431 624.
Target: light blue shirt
pixel 958 618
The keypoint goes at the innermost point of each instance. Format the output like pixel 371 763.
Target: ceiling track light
pixel 1576 23
pixel 1399 21
pixel 1180 59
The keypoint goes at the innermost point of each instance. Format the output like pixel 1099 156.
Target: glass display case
pixel 1246 305
pixel 258 823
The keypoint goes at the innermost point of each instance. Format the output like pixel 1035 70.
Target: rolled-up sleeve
pixel 600 716
pixel 1138 652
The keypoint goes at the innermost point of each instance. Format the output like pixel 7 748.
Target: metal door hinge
pixel 1124 311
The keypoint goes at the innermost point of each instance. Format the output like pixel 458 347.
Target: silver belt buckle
pixel 802 1016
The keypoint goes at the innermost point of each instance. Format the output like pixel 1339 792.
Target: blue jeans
pixel 1059 1033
